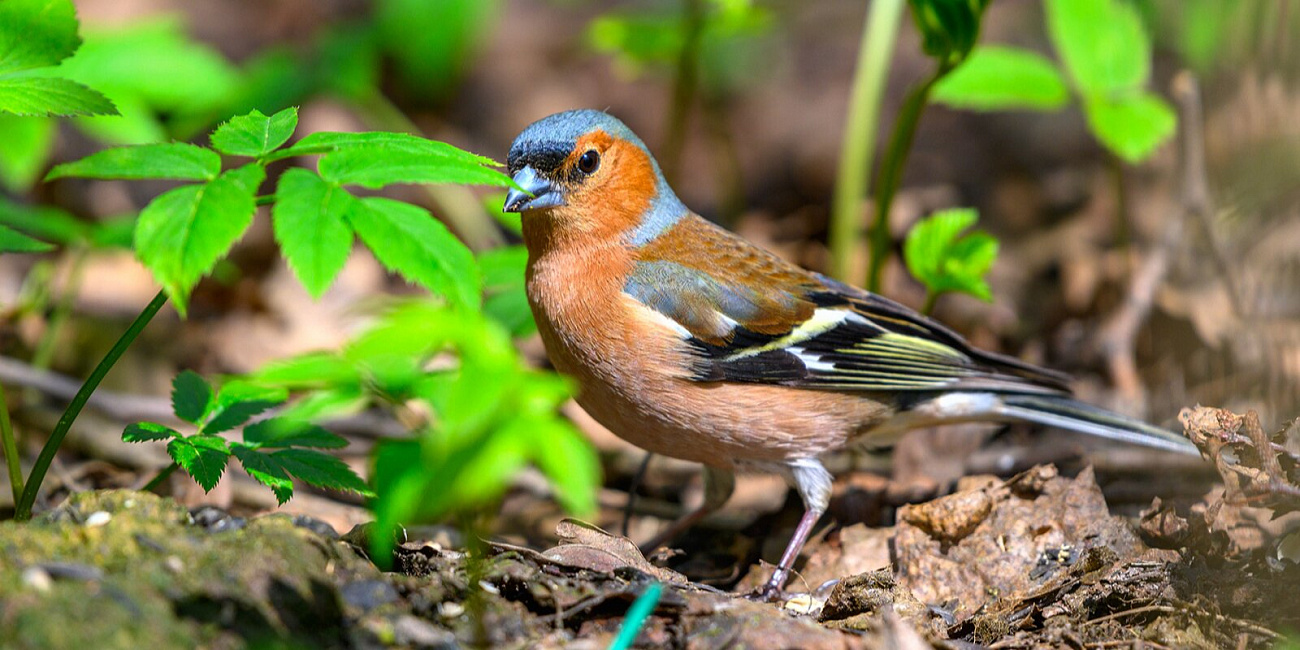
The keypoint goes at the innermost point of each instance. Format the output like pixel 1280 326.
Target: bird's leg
pixel 718 486
pixel 813 482
pixel 631 490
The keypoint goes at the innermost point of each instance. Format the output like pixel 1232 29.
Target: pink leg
pixel 773 588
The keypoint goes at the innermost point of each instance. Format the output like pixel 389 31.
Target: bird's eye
pixel 588 163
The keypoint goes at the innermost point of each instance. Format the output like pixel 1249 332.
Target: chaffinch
pixel 690 342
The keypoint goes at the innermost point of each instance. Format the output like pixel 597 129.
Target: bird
pixel 688 341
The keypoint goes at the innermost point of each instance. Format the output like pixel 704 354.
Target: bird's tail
pixel 1066 413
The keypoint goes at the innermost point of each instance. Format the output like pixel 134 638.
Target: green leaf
pixel 43 222
pixel 1101 42
pixel 408 240
pixel 255 134
pixel 1132 127
pixel 183 232
pixel 25 147
pixel 503 279
pixel 378 142
pixel 46 96
pixel 12 241
pixel 202 457
pixel 312 370
pixel 281 432
pixel 238 401
pixel 949 28
pixel 566 458
pixel 310 225
pixel 174 161
pixel 943 259
pixel 36 33
pixel 148 431
pixel 191 396
pixel 1001 78
pixel 267 470
pixel 377 168
pixel 321 470
pixel 155 65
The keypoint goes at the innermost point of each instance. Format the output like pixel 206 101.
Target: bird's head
pixel 586 171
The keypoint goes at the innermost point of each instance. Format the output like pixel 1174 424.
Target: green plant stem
pixel 859 144
pixel 11 448
pixel 684 89
pixel 23 507
pixel 160 477
pixel 44 353
pixel 891 172
pixel 931 297
pixel 636 616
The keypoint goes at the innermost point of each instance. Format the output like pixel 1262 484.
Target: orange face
pixel 602 189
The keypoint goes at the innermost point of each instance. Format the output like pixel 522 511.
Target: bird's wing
pixel 748 316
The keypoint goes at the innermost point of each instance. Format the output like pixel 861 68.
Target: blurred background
pixel 1103 269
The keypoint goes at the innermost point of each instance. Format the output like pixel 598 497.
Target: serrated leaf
pixel 408 240
pixel 1132 127
pixel 309 219
pixel 238 401
pixel 377 168
pixel 943 259
pixel 266 470
pixel 12 241
pixel 281 432
pixel 148 431
pixel 1101 42
pixel 1001 78
pixel 378 142
pixel 172 161
pixel 255 134
pixel 569 462
pixel 191 396
pixel 321 470
pixel 202 457
pixel 51 96
pixel 36 33
pixel 182 233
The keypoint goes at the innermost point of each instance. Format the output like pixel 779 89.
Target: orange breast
pixel 631 367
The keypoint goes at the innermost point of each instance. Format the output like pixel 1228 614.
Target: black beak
pixel 537 192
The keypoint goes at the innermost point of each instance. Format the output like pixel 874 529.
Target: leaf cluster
pixel 184 232
pixel 35 36
pixel 1105 54
pixel 490 414
pixel 273 450
pixel 944 259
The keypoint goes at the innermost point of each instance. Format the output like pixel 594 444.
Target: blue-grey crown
pixel 548 141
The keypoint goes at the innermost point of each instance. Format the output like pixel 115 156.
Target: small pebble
pixel 72 571
pixel 418 633
pixel 36 578
pixel 368 594
pixel 98 518
pixel 174 564
pixel 450 610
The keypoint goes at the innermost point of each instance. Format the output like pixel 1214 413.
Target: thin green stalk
pixel 23 508
pixel 636 616
pixel 878 34
pixel 930 298
pixel 44 353
pixel 160 477
pixel 891 172
pixel 11 448
pixel 684 87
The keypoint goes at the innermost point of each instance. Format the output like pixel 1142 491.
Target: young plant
pixel 944 259
pixel 949 30
pixel 490 415
pixel 184 232
pixel 36 36
pixel 273 449
pixel 1105 53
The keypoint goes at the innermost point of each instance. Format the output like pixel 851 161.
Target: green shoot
pixel 944 259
